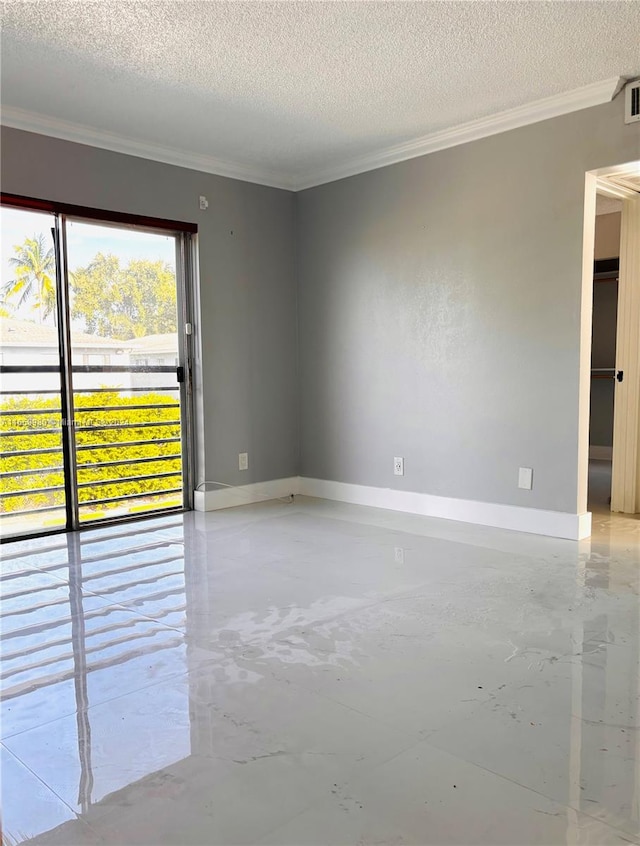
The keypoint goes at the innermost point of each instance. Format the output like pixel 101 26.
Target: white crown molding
pixel 65 130
pixel 560 104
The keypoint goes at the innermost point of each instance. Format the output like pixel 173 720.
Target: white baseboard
pixel 557 524
pixel 600 453
pixel 229 497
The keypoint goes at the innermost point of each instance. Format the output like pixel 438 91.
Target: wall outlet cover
pixel 525 478
pixel 398 466
pixel 243 461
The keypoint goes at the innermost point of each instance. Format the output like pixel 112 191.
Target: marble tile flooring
pixel 318 673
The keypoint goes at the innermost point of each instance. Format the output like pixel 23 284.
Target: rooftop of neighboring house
pixel 26 333
pixel 167 343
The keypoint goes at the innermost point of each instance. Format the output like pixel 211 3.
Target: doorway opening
pixel 95 361
pixel 606 269
pixel 609 452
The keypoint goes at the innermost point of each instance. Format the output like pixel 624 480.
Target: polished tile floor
pixel 317 673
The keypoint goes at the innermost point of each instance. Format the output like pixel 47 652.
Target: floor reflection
pixel 86 618
pixel 604 763
pixel 281 674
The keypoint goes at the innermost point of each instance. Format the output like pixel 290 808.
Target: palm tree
pixel 35 276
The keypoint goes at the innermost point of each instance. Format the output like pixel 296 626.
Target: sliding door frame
pixel 66 375
pixel 99 215
pixel 185 303
pixel 185 281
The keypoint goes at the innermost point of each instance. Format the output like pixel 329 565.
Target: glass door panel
pixel 32 481
pixel 128 431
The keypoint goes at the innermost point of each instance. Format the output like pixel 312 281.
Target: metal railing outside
pixel 128 446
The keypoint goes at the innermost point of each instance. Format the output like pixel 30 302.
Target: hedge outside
pixel 41 431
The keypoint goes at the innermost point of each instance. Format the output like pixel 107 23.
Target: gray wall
pixel 438 306
pixel 249 396
pixel 607 235
pixel 439 314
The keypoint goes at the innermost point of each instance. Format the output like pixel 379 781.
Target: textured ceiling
pixel 298 87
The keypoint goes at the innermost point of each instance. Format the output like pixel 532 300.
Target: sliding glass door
pixel 125 354
pixel 32 480
pixel 95 403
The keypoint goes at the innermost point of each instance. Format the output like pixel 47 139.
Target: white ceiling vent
pixel 632 102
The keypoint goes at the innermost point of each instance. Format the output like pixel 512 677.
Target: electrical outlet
pixel 525 478
pixel 243 461
pixel 398 466
pixel 204 203
pixel 399 555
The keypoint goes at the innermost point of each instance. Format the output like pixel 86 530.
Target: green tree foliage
pixel 34 281
pixel 41 431
pixel 124 302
